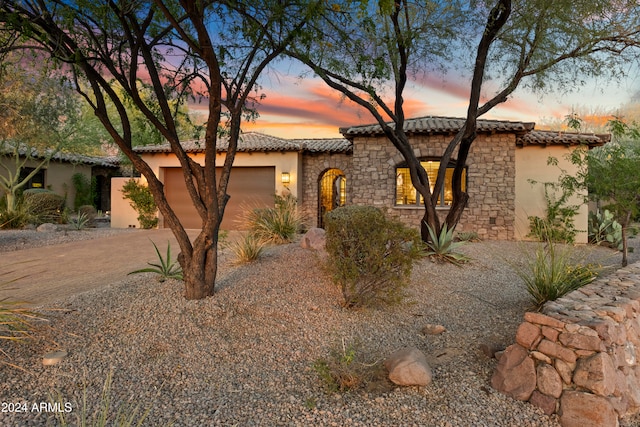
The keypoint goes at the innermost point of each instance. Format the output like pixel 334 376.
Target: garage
pixel 249 187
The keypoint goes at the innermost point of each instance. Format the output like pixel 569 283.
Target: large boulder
pixel 578 409
pixel 313 239
pixel 47 228
pixel 408 367
pixel 515 375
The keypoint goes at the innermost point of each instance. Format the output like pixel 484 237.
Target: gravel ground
pixel 244 357
pixel 15 240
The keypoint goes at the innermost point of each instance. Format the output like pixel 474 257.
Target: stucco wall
pixel 490 181
pixel 122 215
pixel 57 176
pixel 531 164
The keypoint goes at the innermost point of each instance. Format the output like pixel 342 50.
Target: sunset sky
pixel 297 107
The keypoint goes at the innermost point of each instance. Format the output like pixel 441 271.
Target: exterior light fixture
pixel 285 178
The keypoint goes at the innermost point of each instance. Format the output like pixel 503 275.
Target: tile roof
pixel 433 124
pixel 253 142
pixel 110 161
pixel 547 137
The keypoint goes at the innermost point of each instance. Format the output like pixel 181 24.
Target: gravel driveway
pixel 245 356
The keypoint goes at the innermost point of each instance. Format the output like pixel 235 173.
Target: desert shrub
pixel 441 247
pixel 89 211
pixel 141 200
pixel 19 217
pixel 558 222
pixel 370 255
pixel 44 205
pixel 552 273
pixel 279 224
pixel 347 368
pixel 248 248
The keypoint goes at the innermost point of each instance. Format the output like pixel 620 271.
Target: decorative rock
pixel 582 342
pixel 313 239
pixel 578 409
pixel 541 357
pixel 549 381
pixel 528 335
pixel 47 227
pixel 565 370
pixel 550 333
pixel 430 329
pixel 597 374
pixel 53 358
pixel 408 367
pixel 546 403
pixel 555 350
pixel 542 319
pixel 515 375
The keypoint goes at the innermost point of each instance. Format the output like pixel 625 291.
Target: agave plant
pixel 80 222
pixel 166 268
pixel 442 247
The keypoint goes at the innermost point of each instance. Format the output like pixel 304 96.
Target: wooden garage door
pixel 248 187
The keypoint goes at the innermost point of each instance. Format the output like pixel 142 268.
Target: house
pixel 56 175
pixel 364 168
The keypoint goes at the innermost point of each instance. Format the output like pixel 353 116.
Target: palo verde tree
pixel 369 51
pixel 40 116
pixel 177 48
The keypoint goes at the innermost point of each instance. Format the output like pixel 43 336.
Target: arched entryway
pixel 332 192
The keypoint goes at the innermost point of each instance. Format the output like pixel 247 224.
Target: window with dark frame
pixel 406 193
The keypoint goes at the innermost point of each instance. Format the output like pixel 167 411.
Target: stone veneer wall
pixel 579 356
pixel 490 180
pixel 313 166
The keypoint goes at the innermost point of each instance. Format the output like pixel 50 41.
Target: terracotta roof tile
pixel 433 124
pixel 253 142
pixel 547 137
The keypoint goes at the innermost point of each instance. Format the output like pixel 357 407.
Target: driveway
pixel 41 275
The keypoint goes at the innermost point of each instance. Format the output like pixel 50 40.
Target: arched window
pixel 407 195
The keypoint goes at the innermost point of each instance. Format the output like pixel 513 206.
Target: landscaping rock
pixel 578 409
pixel 597 374
pixel 313 239
pixel 490 349
pixel 544 402
pixel 515 375
pixel 408 367
pixel 47 227
pixel 549 381
pixel 53 358
pixel 430 329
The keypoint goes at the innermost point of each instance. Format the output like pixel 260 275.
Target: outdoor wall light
pixel 285 178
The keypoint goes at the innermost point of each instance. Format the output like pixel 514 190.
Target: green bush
pixel 43 205
pixel 370 255
pixel 605 230
pixel 279 224
pixel 552 273
pixel 142 202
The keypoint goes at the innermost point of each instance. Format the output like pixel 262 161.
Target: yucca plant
pixel 166 268
pixel 552 273
pixel 279 224
pixel 442 247
pixel 248 248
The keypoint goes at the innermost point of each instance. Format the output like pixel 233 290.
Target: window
pixel 36 181
pixel 407 195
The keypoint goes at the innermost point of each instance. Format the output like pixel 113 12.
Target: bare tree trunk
pixel 625 244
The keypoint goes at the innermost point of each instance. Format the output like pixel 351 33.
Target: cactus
pixel 605 230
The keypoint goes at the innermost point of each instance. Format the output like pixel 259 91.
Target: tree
pixel 177 48
pixel 613 177
pixel 40 116
pixel 369 50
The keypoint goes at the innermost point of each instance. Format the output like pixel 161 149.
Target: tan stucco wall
pixel 531 164
pixel 282 161
pixel 57 176
pixel 122 214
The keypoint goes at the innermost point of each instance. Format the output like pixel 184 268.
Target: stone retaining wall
pixel 578 357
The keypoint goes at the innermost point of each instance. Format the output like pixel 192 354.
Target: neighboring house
pixel 56 174
pixel 364 168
